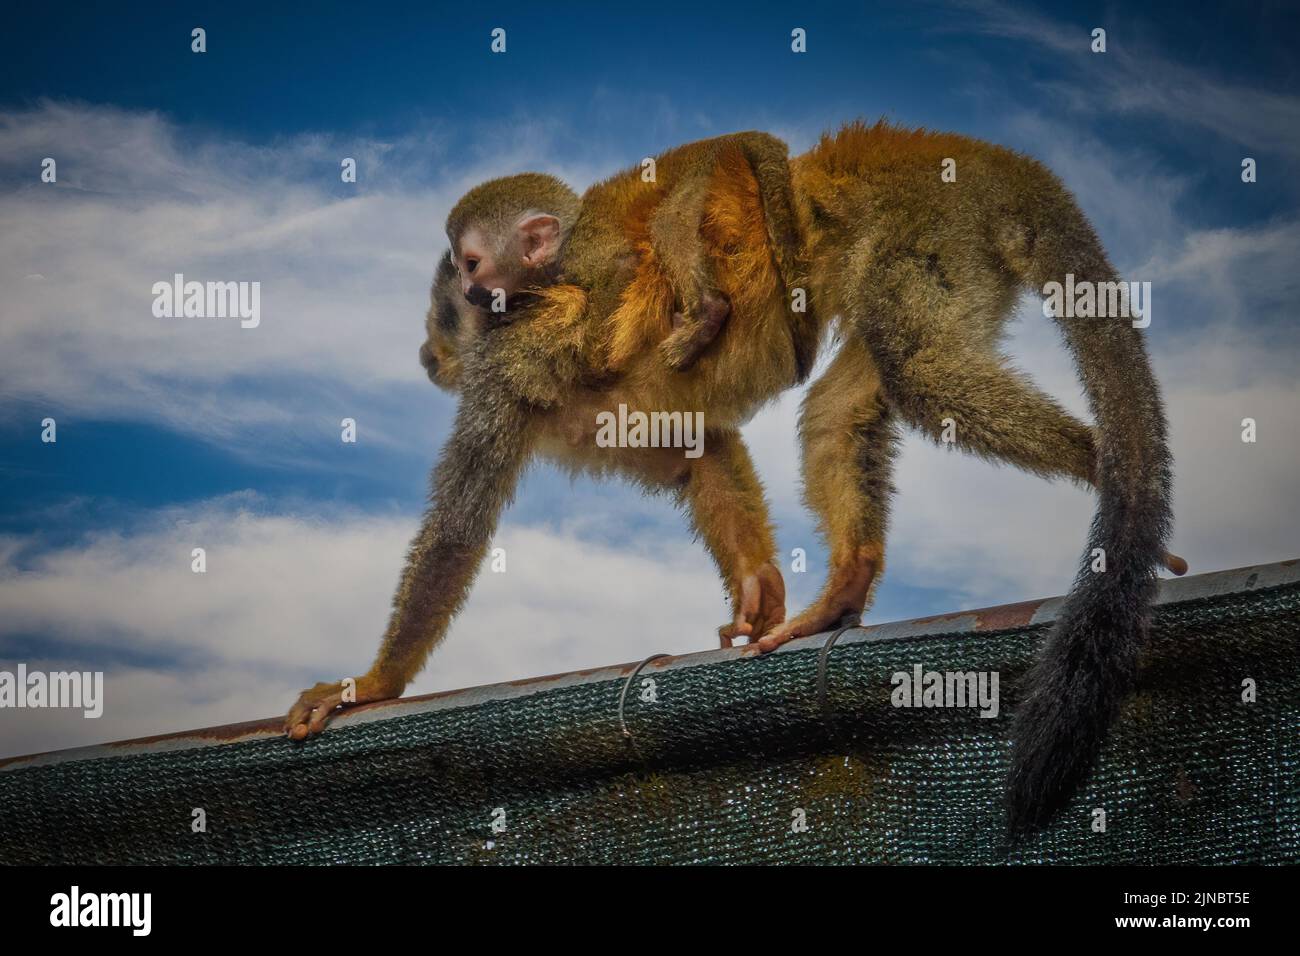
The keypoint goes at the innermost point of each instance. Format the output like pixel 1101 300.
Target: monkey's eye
pixel 471 265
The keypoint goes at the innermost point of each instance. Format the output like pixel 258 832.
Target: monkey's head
pixel 450 324
pixel 506 236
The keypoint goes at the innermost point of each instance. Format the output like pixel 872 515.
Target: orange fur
pixel 735 234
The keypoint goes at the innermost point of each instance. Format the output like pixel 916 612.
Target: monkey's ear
pixel 539 238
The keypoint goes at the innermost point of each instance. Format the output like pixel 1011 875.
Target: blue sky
pixel 176 434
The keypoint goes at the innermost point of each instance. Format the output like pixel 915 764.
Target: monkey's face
pixel 495 270
pixel 488 271
pixel 450 325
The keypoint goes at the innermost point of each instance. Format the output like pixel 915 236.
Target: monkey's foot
pixel 694 331
pixel 844 596
pixel 315 705
pixel 821 616
pixel 759 605
pixel 1174 564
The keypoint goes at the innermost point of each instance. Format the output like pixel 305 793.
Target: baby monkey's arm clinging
pixel 680 236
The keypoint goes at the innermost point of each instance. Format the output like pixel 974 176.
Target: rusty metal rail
pixel 972 622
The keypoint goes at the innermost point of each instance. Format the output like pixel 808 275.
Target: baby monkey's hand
pixel 694 329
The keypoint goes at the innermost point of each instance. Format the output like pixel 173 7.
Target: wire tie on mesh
pixel 850 621
pixel 622 697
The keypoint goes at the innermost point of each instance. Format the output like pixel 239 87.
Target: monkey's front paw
pixel 315 705
pixel 759 605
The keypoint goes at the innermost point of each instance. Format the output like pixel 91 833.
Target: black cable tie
pixel 622 697
pixel 850 621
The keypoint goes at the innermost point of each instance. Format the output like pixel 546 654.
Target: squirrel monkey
pixel 922 273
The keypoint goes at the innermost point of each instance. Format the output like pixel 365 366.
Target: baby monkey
pixel 508 238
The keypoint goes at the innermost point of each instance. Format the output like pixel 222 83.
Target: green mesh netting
pixel 1191 774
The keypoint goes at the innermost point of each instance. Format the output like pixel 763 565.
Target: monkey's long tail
pixel 1089 662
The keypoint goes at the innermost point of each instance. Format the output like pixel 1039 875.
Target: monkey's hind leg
pixel 849 441
pixel 1058 448
pixel 952 388
pixel 1062 449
